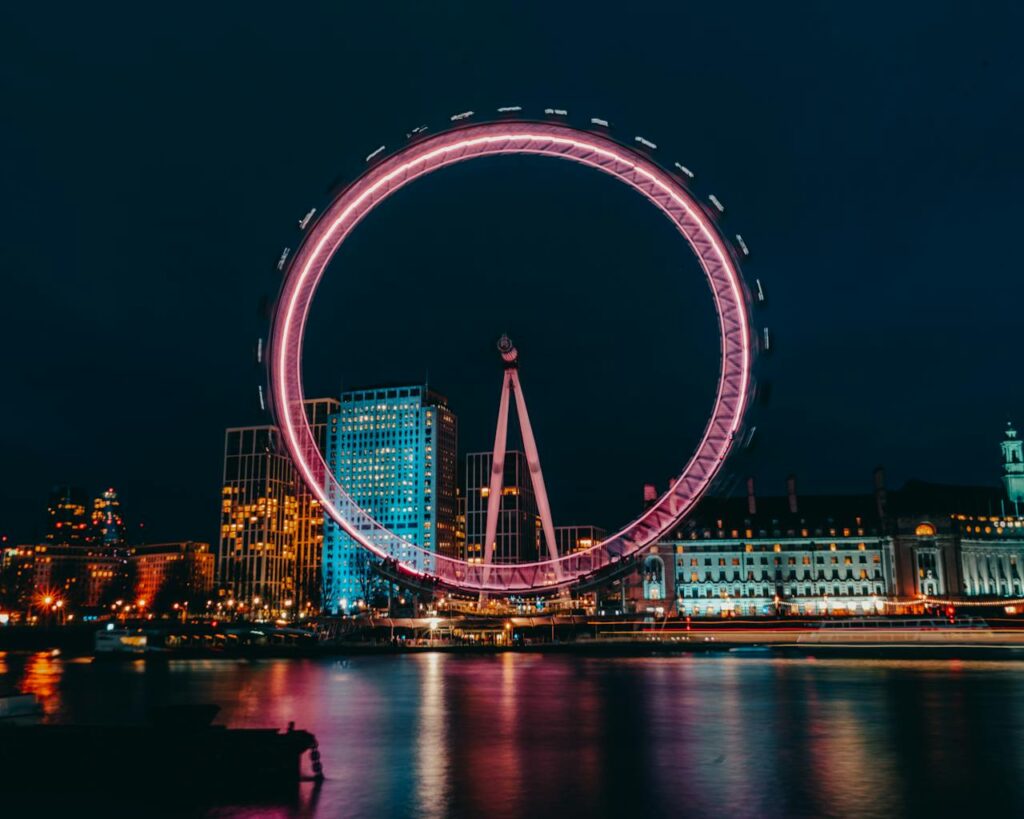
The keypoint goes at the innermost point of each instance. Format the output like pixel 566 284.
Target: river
pixel 529 735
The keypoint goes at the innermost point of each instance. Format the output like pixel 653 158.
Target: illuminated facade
pixel 80 576
pixel 309 544
pixel 169 573
pixel 259 518
pixel 90 578
pixel 577 538
pixel 518 533
pixel 759 556
pixel 107 524
pixel 271 529
pixel 460 524
pixel 758 576
pixel 393 450
pixel 67 519
pixel 1013 468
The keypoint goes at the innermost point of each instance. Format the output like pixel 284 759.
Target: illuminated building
pixel 271 528
pixel 259 517
pixel 962 541
pixel 393 450
pixel 78 575
pixel 68 521
pixel 107 525
pixel 309 544
pixel 956 540
pixel 1013 468
pixel 518 534
pixel 991 555
pixel 460 524
pixel 89 578
pixel 168 573
pixel 757 556
pixel 577 538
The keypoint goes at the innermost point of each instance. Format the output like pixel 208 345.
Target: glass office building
pixel 393 450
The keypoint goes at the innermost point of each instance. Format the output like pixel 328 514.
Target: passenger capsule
pixel 375 154
pixel 463 115
pixel 598 121
pixel 685 170
pixel 284 258
pixel 305 220
pixel 646 142
pixel 714 201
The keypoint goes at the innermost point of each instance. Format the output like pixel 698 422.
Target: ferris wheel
pixel 461 141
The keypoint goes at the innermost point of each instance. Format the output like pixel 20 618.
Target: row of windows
pixel 754 576
pixel 805 560
pixel 787 591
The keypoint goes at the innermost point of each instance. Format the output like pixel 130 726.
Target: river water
pixel 528 735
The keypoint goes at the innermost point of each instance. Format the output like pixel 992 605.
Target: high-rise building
pixel 518 534
pixel 271 530
pixel 309 542
pixel 460 524
pixel 259 518
pixel 68 521
pixel 107 524
pixel 393 450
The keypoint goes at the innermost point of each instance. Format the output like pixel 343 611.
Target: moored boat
pixel 178 745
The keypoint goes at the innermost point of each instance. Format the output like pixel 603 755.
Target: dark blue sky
pixel 155 159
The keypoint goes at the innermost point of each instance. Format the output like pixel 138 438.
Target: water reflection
pixel 431 739
pixel 41 676
pixel 519 735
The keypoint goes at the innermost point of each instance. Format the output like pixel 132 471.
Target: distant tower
pixel 68 522
pixel 107 524
pixel 1013 467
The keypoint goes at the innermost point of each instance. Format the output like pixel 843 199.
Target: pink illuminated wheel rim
pixel 433 153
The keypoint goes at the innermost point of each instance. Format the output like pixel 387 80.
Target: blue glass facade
pixel 393 450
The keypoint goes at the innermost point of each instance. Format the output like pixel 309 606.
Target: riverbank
pixel 889 638
pixel 583 649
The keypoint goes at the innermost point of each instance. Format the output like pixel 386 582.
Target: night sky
pixel 155 160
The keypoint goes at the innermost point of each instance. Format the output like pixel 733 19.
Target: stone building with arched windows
pixel 840 554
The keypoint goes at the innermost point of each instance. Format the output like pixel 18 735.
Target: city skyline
pixel 38 531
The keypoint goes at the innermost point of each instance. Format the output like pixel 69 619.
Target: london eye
pixel 424 153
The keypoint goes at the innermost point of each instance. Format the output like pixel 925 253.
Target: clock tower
pixel 1013 467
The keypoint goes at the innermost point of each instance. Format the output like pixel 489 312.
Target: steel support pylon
pixel 510 385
